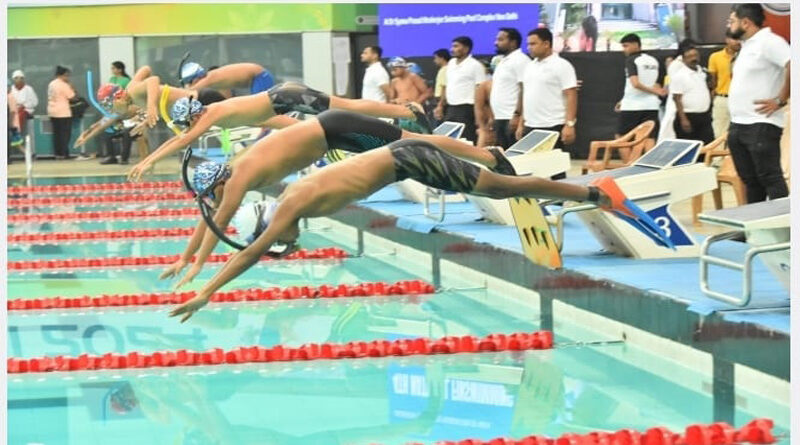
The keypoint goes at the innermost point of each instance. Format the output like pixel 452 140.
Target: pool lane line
pixel 105 215
pixel 61 238
pixel 757 431
pixel 103 263
pixel 369 289
pixel 103 187
pixel 98 200
pixel 520 341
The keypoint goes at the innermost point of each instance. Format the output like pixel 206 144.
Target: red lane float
pixel 758 431
pixel 105 215
pixel 414 287
pixel 92 200
pixel 279 353
pixel 64 189
pixel 108 235
pixel 322 253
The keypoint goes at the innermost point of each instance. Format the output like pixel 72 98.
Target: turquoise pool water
pixel 571 388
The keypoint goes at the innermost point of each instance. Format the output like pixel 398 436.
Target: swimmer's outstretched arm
pixel 95 129
pixel 186 257
pixel 206 121
pixel 286 215
pixel 231 200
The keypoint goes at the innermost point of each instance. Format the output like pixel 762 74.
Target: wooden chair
pixel 631 146
pixel 726 174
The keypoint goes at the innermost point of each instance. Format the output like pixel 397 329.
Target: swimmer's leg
pixel 497 186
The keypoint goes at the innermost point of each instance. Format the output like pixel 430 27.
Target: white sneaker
pixel 83 157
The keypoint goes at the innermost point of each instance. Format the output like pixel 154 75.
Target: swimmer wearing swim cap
pixel 267 109
pixel 330 189
pixel 292 149
pixel 251 76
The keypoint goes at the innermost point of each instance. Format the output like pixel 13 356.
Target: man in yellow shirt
pixel 719 67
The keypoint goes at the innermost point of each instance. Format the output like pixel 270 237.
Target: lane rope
pixel 369 289
pixel 520 341
pixel 73 264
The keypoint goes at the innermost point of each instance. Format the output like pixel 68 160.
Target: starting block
pixel 667 174
pixel 534 233
pixel 415 191
pixel 532 155
pixel 766 226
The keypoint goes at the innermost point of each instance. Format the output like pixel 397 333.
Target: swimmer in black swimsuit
pixel 292 149
pixel 332 188
pixel 263 109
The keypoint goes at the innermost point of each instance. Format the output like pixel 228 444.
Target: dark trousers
pixel 702 130
pixel 62 132
pixel 559 142
pixel 464 114
pixel 124 138
pixel 504 135
pixel 756 153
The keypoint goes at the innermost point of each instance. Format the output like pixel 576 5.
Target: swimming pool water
pixel 571 388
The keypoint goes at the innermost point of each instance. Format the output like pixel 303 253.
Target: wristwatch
pixel 572 123
pixel 781 102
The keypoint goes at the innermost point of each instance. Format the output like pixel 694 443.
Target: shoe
pixel 109 161
pixel 82 157
pixel 503 166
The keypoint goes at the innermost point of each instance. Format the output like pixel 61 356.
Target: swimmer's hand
pixel 152 117
pixel 138 170
pixel 193 272
pixel 174 269
pixel 190 307
pixel 138 129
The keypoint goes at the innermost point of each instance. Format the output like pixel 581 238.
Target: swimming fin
pixel 631 213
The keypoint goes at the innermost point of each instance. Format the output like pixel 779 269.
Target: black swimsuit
pixel 355 132
pixel 287 97
pixel 423 162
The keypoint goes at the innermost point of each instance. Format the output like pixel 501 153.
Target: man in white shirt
pixel 641 99
pixel 758 92
pixel 464 74
pixel 549 99
pixel 691 92
pixel 506 85
pixel 376 85
pixel 25 97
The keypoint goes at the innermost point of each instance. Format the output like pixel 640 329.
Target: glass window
pixel 38 58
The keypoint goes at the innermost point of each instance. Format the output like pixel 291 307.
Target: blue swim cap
pixel 207 175
pixel 397 62
pixel 191 71
pixel 184 109
pixel 414 68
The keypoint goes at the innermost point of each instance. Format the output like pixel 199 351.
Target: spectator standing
pixel 118 75
pixel 549 91
pixel 440 58
pixel 464 74
pixel 719 67
pixel 406 86
pixel 690 90
pixel 26 100
pixel 641 99
pixel 758 93
pixel 59 93
pixel 506 85
pixel 376 85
